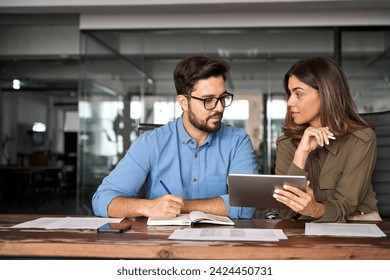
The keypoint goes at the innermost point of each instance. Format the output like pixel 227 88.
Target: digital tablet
pixel 252 190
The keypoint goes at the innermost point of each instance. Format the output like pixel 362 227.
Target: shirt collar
pixel 185 138
pixel 333 146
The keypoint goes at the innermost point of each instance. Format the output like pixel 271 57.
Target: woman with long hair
pixel 325 139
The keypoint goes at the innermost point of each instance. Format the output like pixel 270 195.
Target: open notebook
pixel 191 218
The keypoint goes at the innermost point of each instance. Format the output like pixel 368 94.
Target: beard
pixel 210 125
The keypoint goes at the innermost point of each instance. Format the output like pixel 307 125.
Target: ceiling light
pixel 16 84
pixel 39 127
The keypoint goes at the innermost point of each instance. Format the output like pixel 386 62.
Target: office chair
pixel 147 126
pixel 381 176
pixel 142 127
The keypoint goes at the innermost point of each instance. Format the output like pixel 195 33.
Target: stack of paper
pixel 228 234
pixel 342 229
pixel 68 223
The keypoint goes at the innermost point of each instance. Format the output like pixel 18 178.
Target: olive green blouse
pixel 339 174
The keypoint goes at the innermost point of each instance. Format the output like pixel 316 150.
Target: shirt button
pixel 192 142
pixel 194 180
pixel 196 155
pixel 183 142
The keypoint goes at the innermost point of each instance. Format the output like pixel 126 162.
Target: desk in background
pixel 28 184
pixel 143 242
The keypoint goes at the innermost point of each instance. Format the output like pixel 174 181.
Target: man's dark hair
pixel 194 68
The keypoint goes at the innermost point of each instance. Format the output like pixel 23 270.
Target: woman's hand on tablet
pixel 299 201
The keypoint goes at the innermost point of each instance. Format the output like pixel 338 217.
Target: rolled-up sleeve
pixel 244 162
pixel 125 180
pixel 238 212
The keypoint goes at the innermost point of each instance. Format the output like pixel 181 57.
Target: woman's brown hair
pixel 337 111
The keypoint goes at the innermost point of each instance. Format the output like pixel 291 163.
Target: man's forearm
pixel 214 205
pixel 126 207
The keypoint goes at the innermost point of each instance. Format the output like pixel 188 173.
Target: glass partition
pixel 109 86
pixel 127 79
pixel 366 61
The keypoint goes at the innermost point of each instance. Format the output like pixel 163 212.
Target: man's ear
pixel 183 102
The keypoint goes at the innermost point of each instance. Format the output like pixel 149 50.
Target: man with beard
pixel 184 164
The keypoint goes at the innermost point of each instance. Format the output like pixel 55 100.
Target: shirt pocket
pixel 216 185
pixel 329 181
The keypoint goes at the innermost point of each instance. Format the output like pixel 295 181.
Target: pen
pixel 165 187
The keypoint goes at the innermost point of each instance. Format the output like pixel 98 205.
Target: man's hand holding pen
pixel 166 206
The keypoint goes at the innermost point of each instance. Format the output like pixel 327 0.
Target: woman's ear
pixel 183 102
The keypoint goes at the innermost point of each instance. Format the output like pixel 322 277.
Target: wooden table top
pixel 145 242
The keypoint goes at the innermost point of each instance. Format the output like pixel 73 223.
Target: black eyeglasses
pixel 211 102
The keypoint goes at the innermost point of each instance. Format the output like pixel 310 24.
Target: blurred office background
pixel 77 77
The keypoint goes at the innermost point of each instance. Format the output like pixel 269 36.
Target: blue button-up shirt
pixel 169 154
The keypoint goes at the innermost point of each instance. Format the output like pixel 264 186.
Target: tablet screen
pixel 252 190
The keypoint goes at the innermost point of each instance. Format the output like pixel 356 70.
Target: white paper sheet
pixel 68 223
pixel 344 229
pixel 224 234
